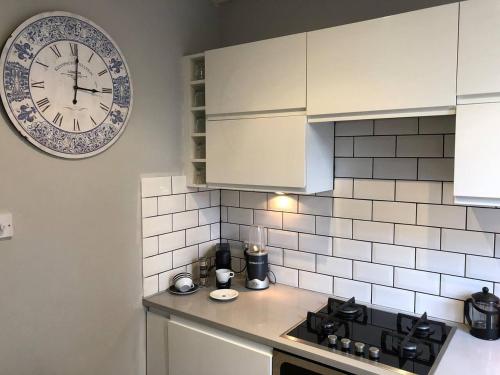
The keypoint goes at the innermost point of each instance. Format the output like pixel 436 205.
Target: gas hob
pixel 394 341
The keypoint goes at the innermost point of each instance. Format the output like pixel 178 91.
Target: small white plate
pixel 224 294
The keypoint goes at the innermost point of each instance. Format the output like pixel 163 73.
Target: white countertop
pixel 263 316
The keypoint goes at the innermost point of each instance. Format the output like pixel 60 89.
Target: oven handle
pixel 280 358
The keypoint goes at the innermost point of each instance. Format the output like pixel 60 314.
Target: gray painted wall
pixel 70 279
pixel 249 20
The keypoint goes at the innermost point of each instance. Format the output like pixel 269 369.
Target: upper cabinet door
pixel 397 66
pixel 479 52
pixel 263 76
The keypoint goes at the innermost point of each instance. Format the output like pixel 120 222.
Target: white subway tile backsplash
pixel 344 146
pixel 287 276
pixel 330 226
pixel 352 249
pixel 395 212
pixel 395 168
pixel 416 236
pixel 497 245
pixel 315 205
pixel 353 167
pixel 298 222
pixel 441 261
pixel 275 255
pixel 179 185
pixel 209 215
pixel 437 125
pixel 155 186
pixel 352 128
pixel 230 231
pixel 439 307
pixel 172 241
pixel 269 219
pixel 230 198
pixel 435 169
pixel 197 235
pixel 380 146
pixel 183 220
pixel 207 249
pixel 250 199
pixel 215 198
pixel 334 266
pixel 149 246
pixel 285 203
pixel 343 187
pixel 240 215
pixel 396 126
pixel 184 256
pixel 441 216
pixel 394 298
pixel 345 288
pixel 373 273
pixel 448 197
pixel 198 200
pixel 483 268
pixel 156 264
pixel 420 146
pixel 155 225
pixel 299 260
pixel 461 288
pixel 418 191
pixel 171 204
pixel 149 207
pixel 281 238
pixel 150 285
pixel 483 219
pixel 421 281
pixel 352 208
pixel 461 241
pixel 223 214
pixel 315 244
pixel 449 146
pixel 394 255
pixel 373 231
pixel 316 282
pixel 374 189
pixel 214 231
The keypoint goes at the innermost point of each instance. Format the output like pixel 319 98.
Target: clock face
pixel 65 85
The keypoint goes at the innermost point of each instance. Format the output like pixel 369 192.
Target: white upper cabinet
pixel 478 78
pixel 398 66
pixel 271 154
pixel 477 156
pixel 264 76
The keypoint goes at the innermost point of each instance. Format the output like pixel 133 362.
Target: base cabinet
pixel 198 349
pixel 157 344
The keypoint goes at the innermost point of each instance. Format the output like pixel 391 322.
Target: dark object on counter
pixel 257 270
pixel 482 312
pixel 222 260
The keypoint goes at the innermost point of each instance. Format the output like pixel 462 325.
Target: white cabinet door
pixel 268 75
pixel 270 153
pixel 196 349
pixel 478 77
pixel 157 344
pixel 397 66
pixel 477 156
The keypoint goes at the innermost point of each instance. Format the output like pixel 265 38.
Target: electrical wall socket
pixel 6 225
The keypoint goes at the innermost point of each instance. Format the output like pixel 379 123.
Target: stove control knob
pixel 359 348
pixel 332 340
pixel 345 343
pixel 374 352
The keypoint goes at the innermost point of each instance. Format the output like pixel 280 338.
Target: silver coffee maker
pixel 256 258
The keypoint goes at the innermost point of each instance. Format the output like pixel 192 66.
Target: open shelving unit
pixel 194 120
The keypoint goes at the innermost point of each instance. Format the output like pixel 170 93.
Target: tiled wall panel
pixel 389 233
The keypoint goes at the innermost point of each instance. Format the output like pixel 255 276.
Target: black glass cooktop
pixel 406 342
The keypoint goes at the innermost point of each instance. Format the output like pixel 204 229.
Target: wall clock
pixel 65 85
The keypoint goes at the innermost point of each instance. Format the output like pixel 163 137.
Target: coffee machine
pixel 256 258
pixel 222 261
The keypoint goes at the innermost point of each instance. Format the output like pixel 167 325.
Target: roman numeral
pixel 106 91
pixel 90 58
pixel 102 72
pixel 74 49
pixel 43 103
pixel 104 107
pixel 38 85
pixel 95 123
pixel 55 50
pixel 58 119
pixel 76 125
pixel 41 63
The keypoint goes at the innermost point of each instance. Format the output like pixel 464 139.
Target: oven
pixel 288 364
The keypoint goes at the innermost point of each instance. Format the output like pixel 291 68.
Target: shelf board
pixel 198 135
pixel 199 160
pixel 198 82
pixel 197 109
pixel 198 185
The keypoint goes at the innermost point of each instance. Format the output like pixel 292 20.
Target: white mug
pixel 184 284
pixel 223 275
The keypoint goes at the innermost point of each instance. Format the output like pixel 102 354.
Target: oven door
pixel 288 364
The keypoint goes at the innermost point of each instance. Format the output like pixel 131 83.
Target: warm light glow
pixel 283 201
pixel 279 193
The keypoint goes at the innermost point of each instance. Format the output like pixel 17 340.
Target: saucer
pixel 173 290
pixel 224 295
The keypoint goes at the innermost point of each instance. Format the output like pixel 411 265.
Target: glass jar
pixel 482 312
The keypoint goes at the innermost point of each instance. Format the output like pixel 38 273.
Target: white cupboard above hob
pixel 397 66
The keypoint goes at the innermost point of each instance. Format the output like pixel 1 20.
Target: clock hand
pixel 85 89
pixel 76 81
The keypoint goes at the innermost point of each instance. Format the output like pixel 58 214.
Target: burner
pixel 349 311
pixel 423 329
pixel 328 327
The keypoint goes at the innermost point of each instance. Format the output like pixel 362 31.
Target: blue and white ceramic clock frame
pixel 65 85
